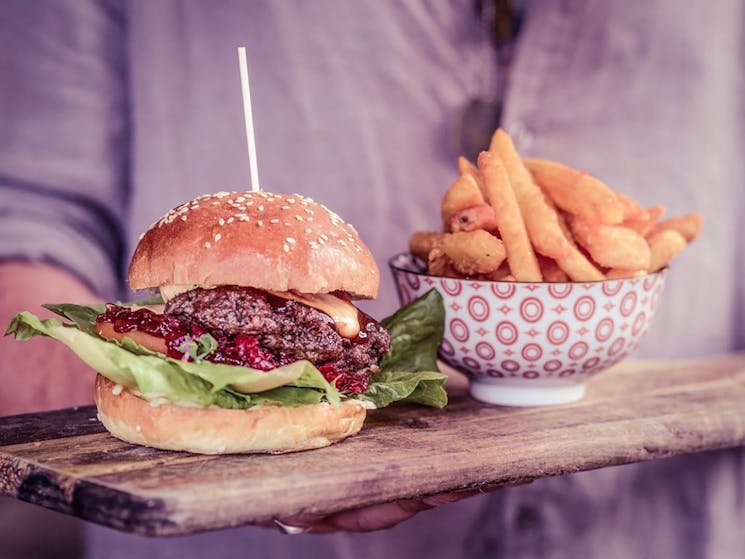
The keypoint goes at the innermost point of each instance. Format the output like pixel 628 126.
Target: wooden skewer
pixel 248 116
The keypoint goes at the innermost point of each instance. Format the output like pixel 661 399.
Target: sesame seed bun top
pixel 277 242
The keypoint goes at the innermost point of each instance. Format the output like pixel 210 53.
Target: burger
pixel 254 343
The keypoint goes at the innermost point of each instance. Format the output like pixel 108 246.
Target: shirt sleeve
pixel 64 137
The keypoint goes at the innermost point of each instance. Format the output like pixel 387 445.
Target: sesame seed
pixel 260 223
pixel 309 230
pixel 218 237
pixel 216 203
pixel 274 220
pixel 290 240
pixel 299 217
pixel 183 218
pixel 309 212
pixel 324 237
pixel 286 208
pixel 221 222
pixel 291 200
pixel 342 243
pixel 250 203
pixel 286 247
pixel 231 219
pixel 261 207
pixel 208 245
pixel 313 245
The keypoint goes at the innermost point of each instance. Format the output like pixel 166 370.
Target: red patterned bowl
pixel 529 344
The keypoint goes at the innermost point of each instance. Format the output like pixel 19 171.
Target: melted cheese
pixel 343 313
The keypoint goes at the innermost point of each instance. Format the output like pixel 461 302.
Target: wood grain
pixel 64 460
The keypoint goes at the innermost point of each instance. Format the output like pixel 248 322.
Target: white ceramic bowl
pixel 531 344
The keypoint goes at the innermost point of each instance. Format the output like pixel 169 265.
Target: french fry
pixel 510 224
pixel 473 218
pixel 551 271
pixel 565 229
pixel 465 167
pixel 473 252
pixel 578 267
pixel 509 218
pixel 631 208
pixel 463 193
pixel 618 273
pixel 540 218
pixel 644 226
pixel 664 246
pixel 612 246
pixel 422 243
pixel 438 264
pixel 575 192
pixel 497 275
pixel 689 226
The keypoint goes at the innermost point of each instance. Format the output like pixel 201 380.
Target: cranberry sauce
pixel 231 349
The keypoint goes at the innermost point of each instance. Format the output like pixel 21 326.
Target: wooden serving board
pixel 64 460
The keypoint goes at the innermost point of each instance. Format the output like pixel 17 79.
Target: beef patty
pixel 289 329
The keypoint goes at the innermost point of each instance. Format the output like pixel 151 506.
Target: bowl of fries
pixel 548 275
pixel 534 343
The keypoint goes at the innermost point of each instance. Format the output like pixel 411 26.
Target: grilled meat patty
pixel 291 330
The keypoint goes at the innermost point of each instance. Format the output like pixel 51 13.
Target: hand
pixel 371 518
pixel 39 374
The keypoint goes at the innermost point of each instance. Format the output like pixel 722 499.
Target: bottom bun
pixel 224 431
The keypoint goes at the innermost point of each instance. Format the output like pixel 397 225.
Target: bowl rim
pixel 393 266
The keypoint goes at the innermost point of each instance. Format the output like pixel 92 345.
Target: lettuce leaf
pixel 408 372
pixel 158 377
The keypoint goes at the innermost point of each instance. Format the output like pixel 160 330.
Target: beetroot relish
pixel 348 383
pixel 232 349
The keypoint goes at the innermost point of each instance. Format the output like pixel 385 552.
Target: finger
pixel 376 517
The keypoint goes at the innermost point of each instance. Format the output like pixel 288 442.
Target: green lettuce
pixel 408 372
pixel 158 377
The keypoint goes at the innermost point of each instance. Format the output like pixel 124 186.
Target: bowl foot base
pixel 511 395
